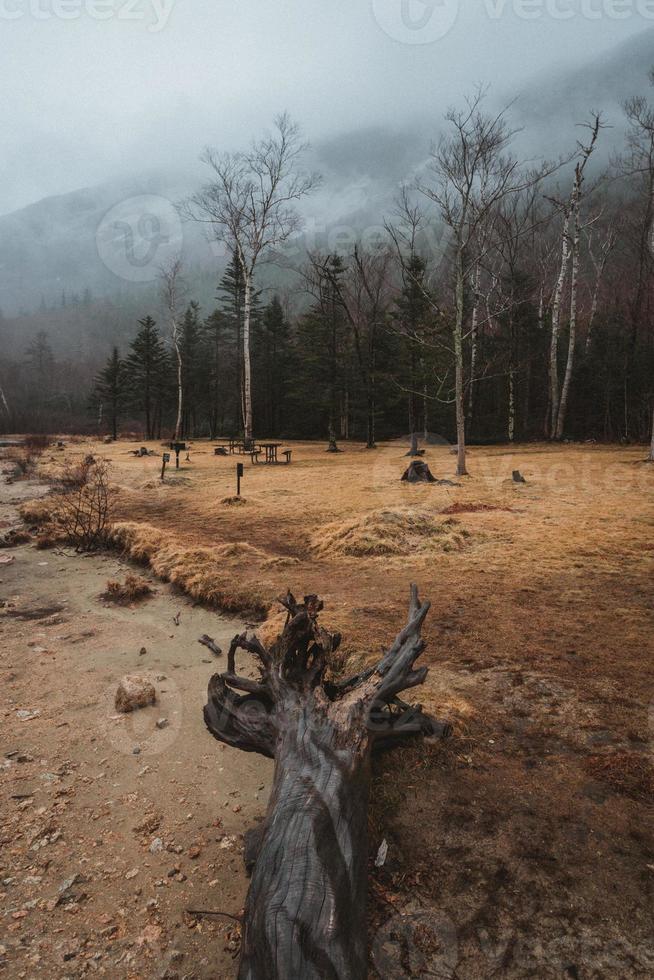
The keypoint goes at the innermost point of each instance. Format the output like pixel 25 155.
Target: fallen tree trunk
pixel 305 915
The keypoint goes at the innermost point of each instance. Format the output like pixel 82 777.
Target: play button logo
pixel 415 21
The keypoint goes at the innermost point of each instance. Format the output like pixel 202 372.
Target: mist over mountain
pixel 108 241
pixel 555 101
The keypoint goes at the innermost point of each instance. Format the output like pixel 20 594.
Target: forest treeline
pixel 506 301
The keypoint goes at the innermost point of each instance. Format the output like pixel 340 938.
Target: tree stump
pixel 305 914
pixel 418 472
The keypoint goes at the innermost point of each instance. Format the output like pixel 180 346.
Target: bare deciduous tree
pixel 250 204
pixel 471 174
pixel 570 253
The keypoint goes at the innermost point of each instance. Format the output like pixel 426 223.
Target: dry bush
pixel 48 538
pixel 82 506
pixel 23 462
pixel 37 511
pixel 199 572
pixel 233 501
pixel 131 590
pixel 37 443
pixel 384 533
pixel 14 537
pixel 75 475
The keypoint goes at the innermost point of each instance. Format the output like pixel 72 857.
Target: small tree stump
pixel 418 472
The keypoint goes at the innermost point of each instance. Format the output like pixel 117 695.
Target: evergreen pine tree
pixel 191 361
pixel 109 390
pixel 214 331
pixel 275 366
pixel 145 374
pixel 410 315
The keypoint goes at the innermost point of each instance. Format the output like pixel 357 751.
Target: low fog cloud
pixel 95 89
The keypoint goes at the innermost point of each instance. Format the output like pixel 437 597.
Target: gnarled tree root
pixel 305 915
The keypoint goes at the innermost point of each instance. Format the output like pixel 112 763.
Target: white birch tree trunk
pixel 574 280
pixel 511 405
pixel 458 368
pixel 556 320
pixel 473 343
pixel 3 399
pixel 247 362
pixel 180 384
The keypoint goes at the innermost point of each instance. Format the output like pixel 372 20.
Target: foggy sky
pixel 86 99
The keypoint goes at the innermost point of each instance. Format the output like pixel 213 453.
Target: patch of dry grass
pixel 382 533
pixel 202 573
pixel 37 511
pixel 131 590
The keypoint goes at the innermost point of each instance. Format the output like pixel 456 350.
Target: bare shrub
pixel 23 463
pixel 14 537
pixel 47 538
pixel 75 475
pixel 82 505
pixel 133 588
pixel 37 443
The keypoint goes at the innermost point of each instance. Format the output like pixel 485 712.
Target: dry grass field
pixel 531 830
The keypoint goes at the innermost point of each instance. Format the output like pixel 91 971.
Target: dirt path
pixel 112 827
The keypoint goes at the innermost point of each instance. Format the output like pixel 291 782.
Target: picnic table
pixel 270 450
pixel 234 445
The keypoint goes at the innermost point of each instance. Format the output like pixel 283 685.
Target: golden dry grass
pixel 396 531
pixel 37 511
pixel 200 572
pixel 525 569
pixel 133 588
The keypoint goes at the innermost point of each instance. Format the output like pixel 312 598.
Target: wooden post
pixel 164 459
pixel 239 474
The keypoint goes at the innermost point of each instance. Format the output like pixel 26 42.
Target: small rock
pixel 142 652
pixel 162 723
pixel 156 845
pixel 134 692
pixel 132 874
pixel 194 852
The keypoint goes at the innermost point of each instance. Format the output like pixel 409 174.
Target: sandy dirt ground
pixel 524 847
pixel 111 828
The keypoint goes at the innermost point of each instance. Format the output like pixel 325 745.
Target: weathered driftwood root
pixel 305 915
